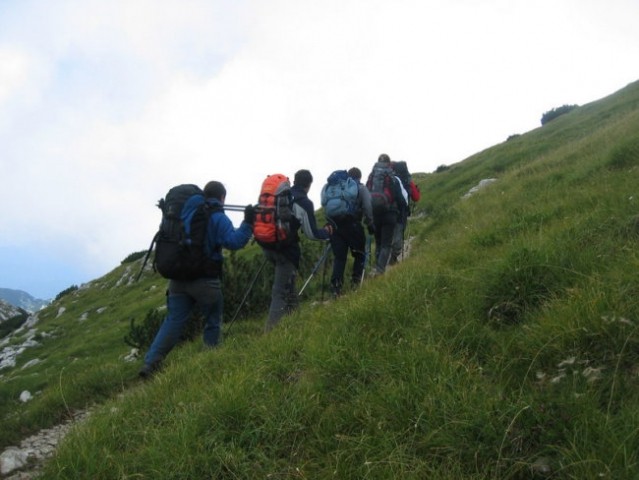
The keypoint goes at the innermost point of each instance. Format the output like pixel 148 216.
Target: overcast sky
pixel 105 104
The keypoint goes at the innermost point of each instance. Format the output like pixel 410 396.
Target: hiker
pixel 184 297
pixel 286 257
pixel 387 201
pixel 411 193
pixel 348 231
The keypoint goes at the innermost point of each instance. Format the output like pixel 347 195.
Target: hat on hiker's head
pixel 383 158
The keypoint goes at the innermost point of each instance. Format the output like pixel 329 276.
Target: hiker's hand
pixel 249 214
pixel 329 229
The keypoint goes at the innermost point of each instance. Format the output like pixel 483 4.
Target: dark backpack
pixel 180 251
pixel 339 195
pixel 272 226
pixel 401 170
pixel 380 184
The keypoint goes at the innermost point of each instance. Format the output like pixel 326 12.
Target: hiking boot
pixel 374 273
pixel 148 370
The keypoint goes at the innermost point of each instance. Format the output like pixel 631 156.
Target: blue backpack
pixel 339 195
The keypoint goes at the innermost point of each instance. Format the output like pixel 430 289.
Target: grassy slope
pixel 505 346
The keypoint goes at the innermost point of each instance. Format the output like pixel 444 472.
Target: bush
pixel 13 323
pixel 72 288
pixel 556 112
pixel 141 336
pixel 247 279
pixel 133 257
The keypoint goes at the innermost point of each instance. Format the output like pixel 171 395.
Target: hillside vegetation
pixel 506 346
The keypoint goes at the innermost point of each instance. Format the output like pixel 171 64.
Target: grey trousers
pixel 398 242
pixel 283 295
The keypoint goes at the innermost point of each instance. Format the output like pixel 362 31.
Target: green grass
pixel 506 346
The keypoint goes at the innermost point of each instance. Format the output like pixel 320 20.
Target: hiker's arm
pixel 367 206
pixel 304 213
pixel 229 237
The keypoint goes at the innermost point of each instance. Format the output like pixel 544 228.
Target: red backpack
pixel 272 227
pixel 415 194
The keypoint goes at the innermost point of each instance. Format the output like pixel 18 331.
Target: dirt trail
pixel 25 461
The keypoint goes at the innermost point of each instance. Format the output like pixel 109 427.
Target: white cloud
pixel 13 72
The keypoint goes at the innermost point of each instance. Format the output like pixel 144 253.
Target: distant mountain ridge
pixel 23 300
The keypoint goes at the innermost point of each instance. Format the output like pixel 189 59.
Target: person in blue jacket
pixel 286 259
pixel 205 294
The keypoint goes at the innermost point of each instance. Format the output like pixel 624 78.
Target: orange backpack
pixel 272 227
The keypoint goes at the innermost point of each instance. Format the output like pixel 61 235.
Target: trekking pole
pixel 367 254
pixel 404 238
pixel 146 257
pixel 316 268
pixel 323 280
pixel 257 274
pixel 405 234
pixel 234 208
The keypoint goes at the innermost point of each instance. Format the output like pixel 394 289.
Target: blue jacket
pixel 222 234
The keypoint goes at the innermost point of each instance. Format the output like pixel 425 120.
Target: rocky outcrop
pixel 482 184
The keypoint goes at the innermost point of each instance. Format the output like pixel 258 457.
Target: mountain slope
pixel 21 299
pixel 506 346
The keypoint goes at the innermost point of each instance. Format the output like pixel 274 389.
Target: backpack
pixel 180 250
pixel 339 195
pixel 272 226
pixel 401 170
pixel 380 184
pixel 415 193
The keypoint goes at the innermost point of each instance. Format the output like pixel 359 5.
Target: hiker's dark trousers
pixel 349 235
pixel 384 230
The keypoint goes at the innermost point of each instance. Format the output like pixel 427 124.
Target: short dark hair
pixel 303 178
pixel 355 173
pixel 384 158
pixel 215 190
